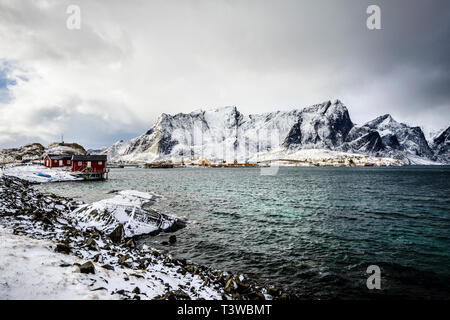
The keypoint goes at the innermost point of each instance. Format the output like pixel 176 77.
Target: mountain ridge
pixel 227 134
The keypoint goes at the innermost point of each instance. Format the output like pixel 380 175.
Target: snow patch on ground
pixel 420 161
pixel 319 155
pixel 29 269
pixel 29 173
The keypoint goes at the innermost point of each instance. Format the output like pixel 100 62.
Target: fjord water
pixel 313 231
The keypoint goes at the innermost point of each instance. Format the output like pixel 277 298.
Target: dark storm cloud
pixel 133 60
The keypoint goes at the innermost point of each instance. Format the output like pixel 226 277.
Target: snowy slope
pixel 29 173
pixel 222 133
pixel 323 125
pixel 31 270
pixel 399 136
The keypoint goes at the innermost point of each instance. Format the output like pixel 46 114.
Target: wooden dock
pixel 87 174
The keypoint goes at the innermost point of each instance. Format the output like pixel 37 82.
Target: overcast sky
pixel 132 60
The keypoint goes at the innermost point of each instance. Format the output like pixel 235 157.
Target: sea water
pixel 310 230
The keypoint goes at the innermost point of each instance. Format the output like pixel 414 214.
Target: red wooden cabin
pixel 90 163
pixel 58 160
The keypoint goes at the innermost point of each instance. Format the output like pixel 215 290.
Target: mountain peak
pixel 224 109
pixel 387 117
pixel 382 122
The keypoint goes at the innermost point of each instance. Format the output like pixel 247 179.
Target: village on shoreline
pixel 82 164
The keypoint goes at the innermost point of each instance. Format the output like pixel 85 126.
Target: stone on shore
pixel 117 234
pixel 87 267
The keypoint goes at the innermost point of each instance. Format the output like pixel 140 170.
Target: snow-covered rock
pixel 27 152
pixel 35 151
pixel 399 136
pixel 65 148
pixel 129 208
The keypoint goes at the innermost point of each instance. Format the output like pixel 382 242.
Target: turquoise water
pixel 313 231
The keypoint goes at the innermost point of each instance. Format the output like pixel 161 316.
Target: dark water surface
pixel 313 231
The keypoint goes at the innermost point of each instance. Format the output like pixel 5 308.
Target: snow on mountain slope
pixel 441 145
pixel 113 151
pixel 400 136
pixel 323 125
pixel 225 134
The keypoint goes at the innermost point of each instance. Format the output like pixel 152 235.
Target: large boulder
pixel 125 215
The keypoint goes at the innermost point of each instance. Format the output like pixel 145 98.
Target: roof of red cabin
pixel 94 157
pixel 59 156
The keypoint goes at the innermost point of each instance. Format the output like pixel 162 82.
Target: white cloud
pixel 132 61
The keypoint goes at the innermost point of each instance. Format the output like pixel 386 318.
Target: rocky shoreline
pixel 144 273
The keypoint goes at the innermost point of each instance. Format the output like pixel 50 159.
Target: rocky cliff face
pixel 325 125
pixel 363 140
pixel 226 134
pixel 399 136
pixel 441 146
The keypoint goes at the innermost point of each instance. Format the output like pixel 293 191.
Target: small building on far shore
pixel 57 160
pixel 90 163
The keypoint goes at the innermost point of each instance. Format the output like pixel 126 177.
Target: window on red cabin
pixel 100 163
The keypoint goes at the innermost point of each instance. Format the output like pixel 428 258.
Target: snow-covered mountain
pixel 227 134
pixel 399 136
pixel 222 133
